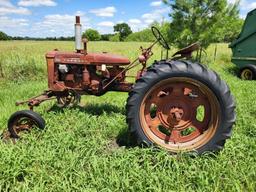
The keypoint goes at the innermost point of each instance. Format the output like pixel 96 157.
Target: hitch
pixel 37 100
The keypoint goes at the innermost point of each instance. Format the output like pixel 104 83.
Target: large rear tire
pixel 181 106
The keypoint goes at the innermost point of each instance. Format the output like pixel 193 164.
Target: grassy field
pixel 78 151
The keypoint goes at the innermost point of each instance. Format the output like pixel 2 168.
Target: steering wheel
pixel 160 38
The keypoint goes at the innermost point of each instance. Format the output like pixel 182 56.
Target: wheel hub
pixel 247 74
pixel 176 114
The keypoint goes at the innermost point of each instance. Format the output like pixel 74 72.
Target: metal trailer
pixel 244 48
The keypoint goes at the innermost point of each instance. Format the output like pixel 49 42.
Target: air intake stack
pixel 78 34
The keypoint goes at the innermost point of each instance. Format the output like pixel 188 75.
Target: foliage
pixel 44 39
pixel 146 35
pixel 235 26
pixel 205 21
pixel 92 35
pixel 106 37
pixel 141 36
pixel 123 29
pixel 115 38
pixel 4 36
pixel 78 151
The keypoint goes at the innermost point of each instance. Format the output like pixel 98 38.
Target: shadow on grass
pixel 124 138
pixel 92 109
pixel 122 141
pixel 232 70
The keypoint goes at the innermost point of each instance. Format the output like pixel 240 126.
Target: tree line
pixel 203 21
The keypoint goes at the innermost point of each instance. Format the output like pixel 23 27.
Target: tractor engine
pixel 90 78
pixel 83 71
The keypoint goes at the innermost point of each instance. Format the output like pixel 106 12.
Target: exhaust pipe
pixel 78 34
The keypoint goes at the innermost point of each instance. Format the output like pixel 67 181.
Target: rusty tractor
pixel 175 104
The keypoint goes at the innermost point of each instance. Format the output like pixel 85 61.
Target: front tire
pixel 163 108
pixel 22 121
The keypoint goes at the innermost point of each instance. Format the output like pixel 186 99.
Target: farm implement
pixel 174 104
pixel 244 50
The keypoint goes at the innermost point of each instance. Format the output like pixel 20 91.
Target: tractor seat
pixel 187 51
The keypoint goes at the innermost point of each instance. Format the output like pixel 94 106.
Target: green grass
pixel 78 152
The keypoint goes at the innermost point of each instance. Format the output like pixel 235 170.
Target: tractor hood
pixel 87 59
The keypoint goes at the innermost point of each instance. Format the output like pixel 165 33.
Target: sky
pixel 50 18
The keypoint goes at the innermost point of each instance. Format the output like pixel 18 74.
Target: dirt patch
pixel 112 146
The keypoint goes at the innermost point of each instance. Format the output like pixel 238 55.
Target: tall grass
pixel 78 150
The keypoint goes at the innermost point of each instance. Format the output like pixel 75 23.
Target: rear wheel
pixel 248 72
pixel 181 106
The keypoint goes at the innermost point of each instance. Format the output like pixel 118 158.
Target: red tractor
pixel 174 104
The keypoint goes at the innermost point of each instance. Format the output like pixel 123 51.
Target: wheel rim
pixel 247 74
pixel 170 114
pixel 22 124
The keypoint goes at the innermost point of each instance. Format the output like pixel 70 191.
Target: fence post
pixel 1 70
pixel 215 52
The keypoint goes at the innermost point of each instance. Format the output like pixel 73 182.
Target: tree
pixel 235 26
pixel 123 29
pixel 141 36
pixel 206 21
pixel 92 35
pixel 146 35
pixel 115 38
pixel 106 37
pixel 4 36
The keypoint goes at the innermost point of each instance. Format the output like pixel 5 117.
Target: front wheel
pixel 181 106
pixel 24 121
